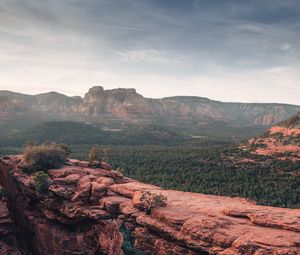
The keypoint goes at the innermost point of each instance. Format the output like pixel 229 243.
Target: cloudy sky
pixel 229 50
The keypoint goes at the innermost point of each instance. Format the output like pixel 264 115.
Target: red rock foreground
pixel 85 208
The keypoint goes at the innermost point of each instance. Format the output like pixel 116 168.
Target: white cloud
pixel 149 56
pixel 286 47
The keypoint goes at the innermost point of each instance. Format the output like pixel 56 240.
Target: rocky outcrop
pixel 281 140
pixel 85 208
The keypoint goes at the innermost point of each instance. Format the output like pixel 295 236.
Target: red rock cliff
pixel 85 208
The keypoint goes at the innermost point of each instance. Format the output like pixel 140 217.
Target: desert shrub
pixel 106 152
pixel 44 156
pixel 94 154
pixel 42 181
pixel 152 200
pixel 66 148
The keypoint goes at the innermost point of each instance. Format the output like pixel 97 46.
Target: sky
pixel 228 50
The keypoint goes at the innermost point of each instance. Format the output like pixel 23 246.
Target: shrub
pixel 44 156
pixel 66 148
pixel 42 182
pixel 94 154
pixel 153 200
pixel 106 152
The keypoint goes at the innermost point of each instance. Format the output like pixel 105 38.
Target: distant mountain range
pixel 119 108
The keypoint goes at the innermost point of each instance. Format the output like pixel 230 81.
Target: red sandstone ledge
pixel 103 200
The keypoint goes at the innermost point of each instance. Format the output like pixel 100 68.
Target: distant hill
pixel 72 132
pixel 282 140
pixel 125 107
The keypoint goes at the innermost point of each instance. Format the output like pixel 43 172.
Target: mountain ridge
pixel 115 107
pixel 10 92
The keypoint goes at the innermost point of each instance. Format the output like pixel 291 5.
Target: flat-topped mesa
pixel 98 92
pixel 124 103
pixel 86 210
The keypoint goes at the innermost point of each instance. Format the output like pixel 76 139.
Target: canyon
pixel 87 208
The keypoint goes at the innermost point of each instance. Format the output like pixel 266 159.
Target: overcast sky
pixel 231 50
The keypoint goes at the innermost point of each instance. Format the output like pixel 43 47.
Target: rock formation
pixel 127 106
pixel 282 140
pixel 85 209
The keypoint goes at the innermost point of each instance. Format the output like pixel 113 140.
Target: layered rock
pixel 85 208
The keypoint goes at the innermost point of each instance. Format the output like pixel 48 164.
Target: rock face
pixel 86 208
pixel 126 105
pixel 282 140
pixel 8 241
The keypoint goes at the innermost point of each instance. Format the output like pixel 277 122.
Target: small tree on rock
pixel 152 201
pixel 106 152
pixel 94 154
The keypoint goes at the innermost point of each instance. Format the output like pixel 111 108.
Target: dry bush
pixel 94 154
pixel 152 201
pixel 44 156
pixel 106 152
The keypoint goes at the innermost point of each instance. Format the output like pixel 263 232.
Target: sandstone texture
pixel 85 209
